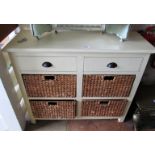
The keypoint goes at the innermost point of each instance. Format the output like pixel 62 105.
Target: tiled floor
pixel 99 125
pixel 81 125
pixel 144 95
pixel 47 126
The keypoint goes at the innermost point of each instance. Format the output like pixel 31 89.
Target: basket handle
pixel 52 103
pixel 49 77
pixel 104 103
pixel 109 78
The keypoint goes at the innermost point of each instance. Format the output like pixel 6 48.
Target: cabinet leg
pixel 30 119
pixel 121 119
pixel 33 121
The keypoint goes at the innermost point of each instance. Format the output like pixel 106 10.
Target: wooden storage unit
pixel 97 71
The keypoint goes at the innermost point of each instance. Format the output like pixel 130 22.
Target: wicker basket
pixel 107 85
pixel 38 85
pixel 111 108
pixel 53 109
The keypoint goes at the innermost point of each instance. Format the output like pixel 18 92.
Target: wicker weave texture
pixel 53 109
pixel 107 85
pixel 103 107
pixel 39 85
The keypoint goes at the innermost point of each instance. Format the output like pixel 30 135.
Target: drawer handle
pixel 112 65
pixel 104 103
pixel 52 103
pixel 49 77
pixel 109 78
pixel 47 64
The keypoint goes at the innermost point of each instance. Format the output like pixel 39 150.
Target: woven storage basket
pixel 103 107
pixel 107 85
pixel 38 85
pixel 53 109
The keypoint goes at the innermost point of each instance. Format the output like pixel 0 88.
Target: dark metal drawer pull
pixel 112 65
pixel 47 64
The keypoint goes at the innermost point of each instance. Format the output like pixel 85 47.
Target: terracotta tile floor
pixel 47 126
pixel 81 125
pixel 99 125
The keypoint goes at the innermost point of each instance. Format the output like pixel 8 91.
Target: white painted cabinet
pixel 8 119
pixel 79 75
pixel 12 116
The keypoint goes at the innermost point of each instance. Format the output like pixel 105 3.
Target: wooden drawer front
pixel 53 109
pixel 107 85
pixel 39 85
pixel 112 64
pixel 103 107
pixel 36 63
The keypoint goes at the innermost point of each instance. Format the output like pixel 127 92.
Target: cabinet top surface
pixel 79 41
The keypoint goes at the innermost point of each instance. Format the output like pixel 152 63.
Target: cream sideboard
pixel 78 75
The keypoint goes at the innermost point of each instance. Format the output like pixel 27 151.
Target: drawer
pixel 112 64
pixel 107 108
pixel 53 109
pixel 40 85
pixel 46 64
pixel 107 85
